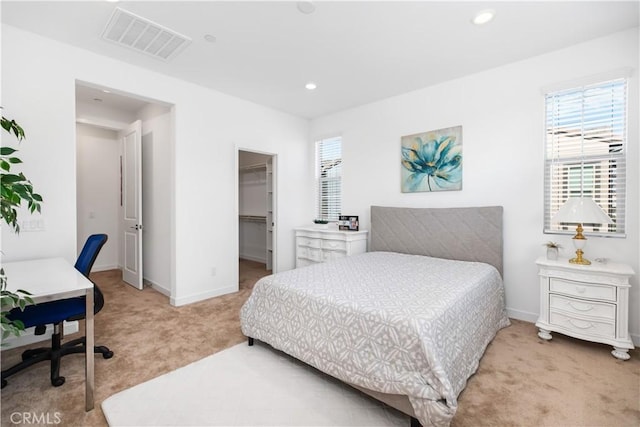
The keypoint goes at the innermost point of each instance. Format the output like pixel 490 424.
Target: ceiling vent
pixel 134 32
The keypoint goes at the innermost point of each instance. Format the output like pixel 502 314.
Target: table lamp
pixel 581 210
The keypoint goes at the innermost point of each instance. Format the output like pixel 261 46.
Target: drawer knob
pixel 581 289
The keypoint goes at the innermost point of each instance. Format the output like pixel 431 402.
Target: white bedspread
pixel 389 322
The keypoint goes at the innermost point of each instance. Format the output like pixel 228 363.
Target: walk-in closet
pixel 256 212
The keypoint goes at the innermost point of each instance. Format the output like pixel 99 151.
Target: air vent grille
pixel 134 32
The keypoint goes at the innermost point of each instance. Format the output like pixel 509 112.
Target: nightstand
pixel 589 302
pixel 316 245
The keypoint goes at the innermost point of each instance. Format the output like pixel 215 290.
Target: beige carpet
pixel 521 380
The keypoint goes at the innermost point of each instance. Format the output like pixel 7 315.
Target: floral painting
pixel 432 161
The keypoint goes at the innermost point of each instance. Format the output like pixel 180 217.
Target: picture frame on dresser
pixel 588 302
pixel 348 223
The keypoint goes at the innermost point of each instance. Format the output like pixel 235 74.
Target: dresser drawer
pixel 308 242
pixel 334 245
pixel 583 307
pixel 583 326
pixel 582 290
pixel 312 254
pixel 329 255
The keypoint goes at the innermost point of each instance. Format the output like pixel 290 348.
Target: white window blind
pixel 585 153
pixel 329 178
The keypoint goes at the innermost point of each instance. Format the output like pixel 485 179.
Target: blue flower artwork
pixel 432 161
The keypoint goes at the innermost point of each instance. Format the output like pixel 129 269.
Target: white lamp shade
pixel 581 210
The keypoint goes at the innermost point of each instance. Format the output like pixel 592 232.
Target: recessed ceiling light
pixel 106 91
pixel 311 86
pixel 483 17
pixel 306 7
pixel 210 38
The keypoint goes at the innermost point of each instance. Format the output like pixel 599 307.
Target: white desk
pixel 51 279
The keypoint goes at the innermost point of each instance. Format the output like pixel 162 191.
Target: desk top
pixel 46 277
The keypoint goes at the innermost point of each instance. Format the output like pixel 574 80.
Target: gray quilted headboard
pixel 467 234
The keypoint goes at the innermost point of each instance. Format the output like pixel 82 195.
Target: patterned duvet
pixel 389 322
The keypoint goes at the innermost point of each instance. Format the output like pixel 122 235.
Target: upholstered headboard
pixel 467 234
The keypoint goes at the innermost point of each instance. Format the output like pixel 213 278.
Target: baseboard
pixel 156 287
pixel 522 315
pixel 97 268
pixel 262 260
pixel 203 296
pixel 28 337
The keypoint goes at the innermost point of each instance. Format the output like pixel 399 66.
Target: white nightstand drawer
pixel 334 245
pixel 586 326
pixel 583 307
pixel 583 290
pixel 309 242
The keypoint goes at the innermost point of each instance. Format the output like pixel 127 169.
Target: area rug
pixel 247 386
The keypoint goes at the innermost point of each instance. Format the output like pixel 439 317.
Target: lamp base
pixel 579 260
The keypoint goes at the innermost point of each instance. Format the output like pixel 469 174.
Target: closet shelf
pixel 253 218
pixel 258 166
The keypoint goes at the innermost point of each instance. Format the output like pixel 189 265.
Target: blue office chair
pixel 56 312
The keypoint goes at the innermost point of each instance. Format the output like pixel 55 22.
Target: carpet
pixel 247 386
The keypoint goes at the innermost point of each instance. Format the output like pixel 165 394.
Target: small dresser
pixel 589 302
pixel 316 245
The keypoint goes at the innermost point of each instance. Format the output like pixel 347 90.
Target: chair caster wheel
pixel 57 382
pixel 107 355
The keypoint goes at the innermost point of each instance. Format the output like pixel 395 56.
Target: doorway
pixel 256 216
pixel 103 116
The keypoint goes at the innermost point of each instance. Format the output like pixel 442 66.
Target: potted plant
pixel 15 188
pixel 552 250
pixel 321 223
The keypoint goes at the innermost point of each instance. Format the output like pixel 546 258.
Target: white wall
pixel 98 190
pixel 157 134
pixel 501 112
pixel 38 87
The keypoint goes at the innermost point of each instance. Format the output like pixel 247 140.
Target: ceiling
pixel 356 52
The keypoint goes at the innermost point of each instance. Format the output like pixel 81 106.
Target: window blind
pixel 585 152
pixel 329 178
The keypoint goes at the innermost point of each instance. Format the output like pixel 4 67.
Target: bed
pixel 407 322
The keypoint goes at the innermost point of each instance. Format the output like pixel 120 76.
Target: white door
pixel 132 204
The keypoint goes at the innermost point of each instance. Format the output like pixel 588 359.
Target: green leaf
pixel 7 151
pixel 11 178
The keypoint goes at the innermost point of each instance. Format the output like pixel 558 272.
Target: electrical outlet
pixel 32 225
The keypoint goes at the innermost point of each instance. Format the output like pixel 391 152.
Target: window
pixel 329 178
pixel 585 152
